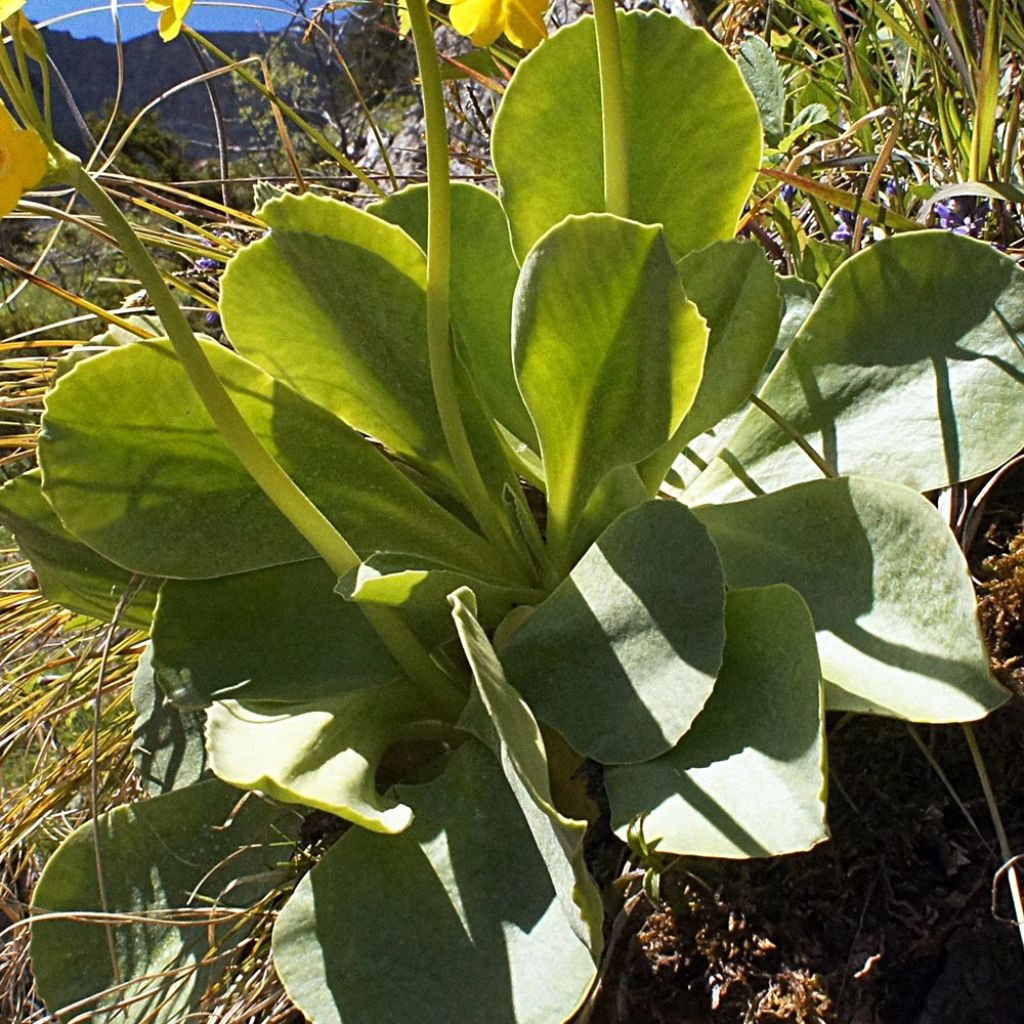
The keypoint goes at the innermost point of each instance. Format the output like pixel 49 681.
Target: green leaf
pixel 460 899
pixel 133 465
pixel 512 732
pixel 279 634
pixel 693 128
pixel 306 696
pixel 323 752
pixel 763 76
pixel 194 855
pixel 624 653
pixel 422 592
pixel 886 583
pixel 70 573
pixel 734 288
pixel 908 368
pixel 748 779
pixel 608 354
pixel 483 280
pixel 167 742
pixel 806 119
pixel 797 299
pixel 341 318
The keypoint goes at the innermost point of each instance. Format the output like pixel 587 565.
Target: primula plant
pixel 486 489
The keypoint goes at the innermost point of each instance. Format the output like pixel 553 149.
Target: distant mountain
pixel 152 67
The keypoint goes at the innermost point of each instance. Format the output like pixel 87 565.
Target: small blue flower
pixel 844 227
pixel 212 319
pixel 963 215
pixel 788 194
pixel 206 265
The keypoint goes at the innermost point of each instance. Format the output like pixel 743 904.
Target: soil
pixel 902 918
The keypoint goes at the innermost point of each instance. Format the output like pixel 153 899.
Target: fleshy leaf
pixel 483 280
pixel 70 573
pixel 279 634
pixel 886 583
pixel 341 318
pixel 624 653
pixel 748 779
pixel 167 742
pixel 733 286
pixel 512 732
pixel 691 164
pixel 193 854
pixel 421 591
pixel 909 368
pixel 453 920
pixel 608 354
pixel 322 752
pixel 133 465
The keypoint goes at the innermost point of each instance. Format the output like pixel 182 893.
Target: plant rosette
pixel 690 646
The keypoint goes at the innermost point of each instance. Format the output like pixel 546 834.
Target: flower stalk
pixel 613 109
pixel 261 465
pixel 439 254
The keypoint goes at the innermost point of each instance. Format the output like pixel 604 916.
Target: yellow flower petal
pixel 9 7
pixel 172 16
pixel 22 161
pixel 484 20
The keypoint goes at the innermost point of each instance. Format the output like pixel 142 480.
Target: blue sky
pixel 136 20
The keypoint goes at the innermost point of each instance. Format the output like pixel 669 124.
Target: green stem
pixel 439 251
pixel 613 109
pixel 261 465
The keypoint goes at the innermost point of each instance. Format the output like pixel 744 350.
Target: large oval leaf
pixel 624 653
pixel 483 280
pixel 693 129
pixel 193 856
pixel 454 920
pixel 279 634
pixel 909 368
pixel 133 465
pixel 748 779
pixel 608 354
pixel 332 302
pixel 70 573
pixel 887 586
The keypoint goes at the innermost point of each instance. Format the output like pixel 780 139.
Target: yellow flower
pixel 22 161
pixel 172 16
pixel 484 20
pixel 9 7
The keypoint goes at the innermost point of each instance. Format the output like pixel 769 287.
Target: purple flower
pixel 963 215
pixel 206 265
pixel 788 194
pixel 844 227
